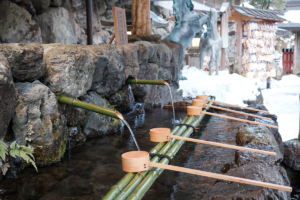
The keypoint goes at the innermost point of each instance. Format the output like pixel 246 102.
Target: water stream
pixel 132 134
pixel 172 102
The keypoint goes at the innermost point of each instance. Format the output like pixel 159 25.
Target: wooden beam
pixel 239 35
pixel 141 23
pixel 223 59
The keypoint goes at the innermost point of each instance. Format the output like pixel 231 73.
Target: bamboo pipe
pixel 149 82
pixel 137 161
pixel 194 110
pixel 205 97
pixel 198 102
pixel 164 134
pixel 90 107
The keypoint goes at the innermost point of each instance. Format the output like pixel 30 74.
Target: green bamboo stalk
pixel 149 82
pixel 140 176
pixel 116 189
pixel 144 186
pixel 90 107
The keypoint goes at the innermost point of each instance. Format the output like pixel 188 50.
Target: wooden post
pixel 141 23
pixel 239 36
pixel 223 59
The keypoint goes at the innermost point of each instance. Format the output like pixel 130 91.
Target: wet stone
pixel 292 154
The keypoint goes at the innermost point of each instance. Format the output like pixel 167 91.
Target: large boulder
pixel 97 124
pixel 57 27
pixel 16 25
pixel 55 3
pixel 26 60
pixel 258 171
pixel 70 69
pixel 37 109
pixel 292 154
pixel 257 137
pixel 109 76
pixel 7 96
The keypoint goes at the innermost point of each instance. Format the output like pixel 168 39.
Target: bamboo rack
pixel 149 82
pixel 132 180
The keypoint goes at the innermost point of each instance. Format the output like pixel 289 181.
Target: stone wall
pixel 31 75
pixel 62 21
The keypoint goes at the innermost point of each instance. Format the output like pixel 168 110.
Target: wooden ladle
pixel 137 161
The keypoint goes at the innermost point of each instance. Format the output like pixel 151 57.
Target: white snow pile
pixel 282 99
pixel 228 88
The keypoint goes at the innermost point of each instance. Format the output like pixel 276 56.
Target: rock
pixel 56 26
pixel 15 166
pixel 75 186
pixel 26 60
pixel 98 124
pixel 164 56
pixel 101 37
pixel 257 137
pixel 292 154
pixel 70 69
pixel 75 116
pixel 36 106
pixel 129 60
pixel 146 51
pixel 149 38
pixel 258 171
pixel 177 58
pixel 41 5
pixel 55 3
pixel 108 77
pixel 123 99
pixel 7 96
pixel 16 25
pixel 138 110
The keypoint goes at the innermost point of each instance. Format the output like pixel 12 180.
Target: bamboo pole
pixel 222 177
pixel 90 107
pixel 149 82
pixel 224 145
pixel 242 120
pixel 131 178
pixel 144 186
pixel 242 113
pixel 239 106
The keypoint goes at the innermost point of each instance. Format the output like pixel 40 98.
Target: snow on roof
pixel 292 16
pixel 169 5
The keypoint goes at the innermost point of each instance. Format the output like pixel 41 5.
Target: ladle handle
pixel 221 176
pixel 239 106
pixel 242 113
pixel 223 145
pixel 237 119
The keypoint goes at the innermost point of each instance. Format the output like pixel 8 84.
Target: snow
pixel 292 16
pixel 282 99
pixel 247 5
pixel 169 5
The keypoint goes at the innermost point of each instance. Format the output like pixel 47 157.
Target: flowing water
pixel 93 168
pixel 132 134
pixel 172 102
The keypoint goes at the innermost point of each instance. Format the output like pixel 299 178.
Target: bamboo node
pixel 116 186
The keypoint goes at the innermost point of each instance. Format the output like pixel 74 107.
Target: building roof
pixel 291 5
pixel 289 26
pixel 258 13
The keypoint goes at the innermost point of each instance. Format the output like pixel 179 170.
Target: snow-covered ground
pixel 282 99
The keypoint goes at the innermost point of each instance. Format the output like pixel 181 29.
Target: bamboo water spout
pixel 90 107
pixel 137 161
pixel 205 97
pixel 196 110
pixel 149 82
pixel 164 135
pixel 198 102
